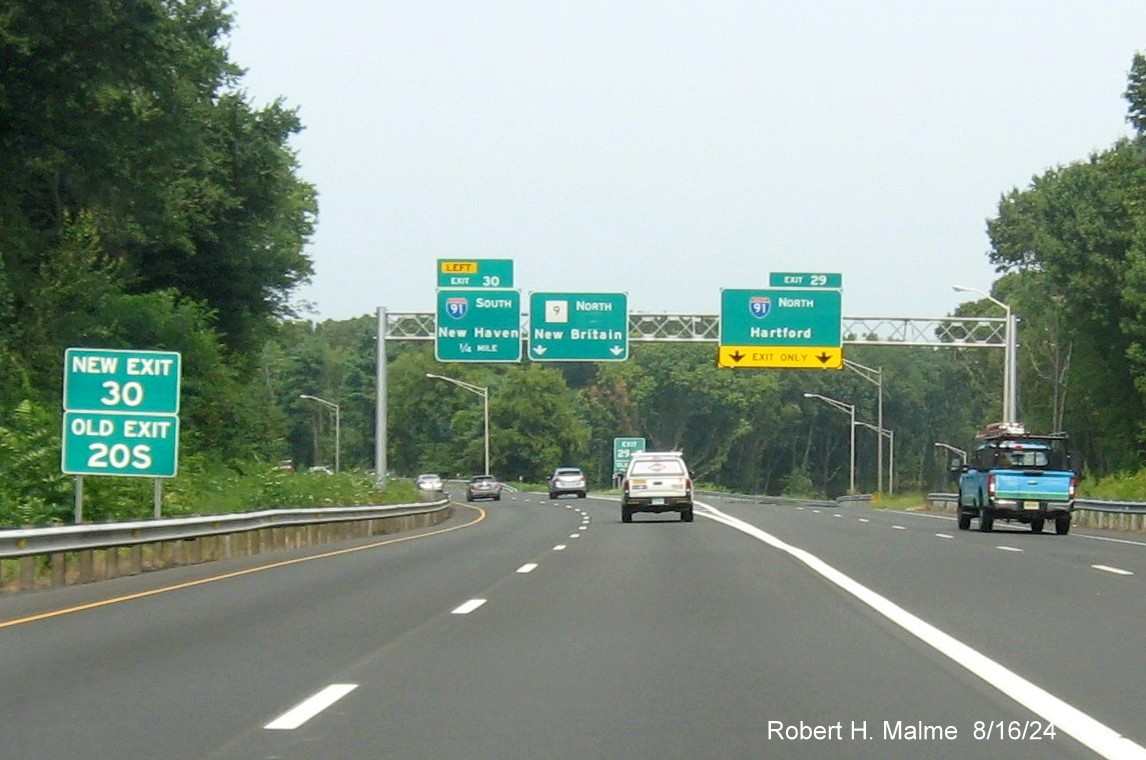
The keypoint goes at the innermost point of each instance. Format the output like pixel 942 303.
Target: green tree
pixel 1081 228
pixel 145 204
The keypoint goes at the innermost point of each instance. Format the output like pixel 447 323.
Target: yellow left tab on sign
pixel 459 267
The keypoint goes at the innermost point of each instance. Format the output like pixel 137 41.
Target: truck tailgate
pixel 1033 485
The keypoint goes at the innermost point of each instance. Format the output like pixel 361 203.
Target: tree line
pixel 147 203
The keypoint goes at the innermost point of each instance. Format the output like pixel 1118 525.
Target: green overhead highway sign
pixel 592 327
pixel 478 326
pixel 805 280
pixel 475 273
pixel 780 328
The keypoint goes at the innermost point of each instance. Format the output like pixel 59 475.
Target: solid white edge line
pixel 468 607
pixel 1109 569
pixel 309 707
pixel 1090 732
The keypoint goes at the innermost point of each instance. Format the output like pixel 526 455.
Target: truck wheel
pixel 626 515
pixel 986 520
pixel 964 520
pixel 1037 525
pixel 686 515
pixel 1062 525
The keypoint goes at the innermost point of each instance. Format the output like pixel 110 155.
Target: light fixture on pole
pixel 890 436
pixel 962 454
pixel 479 390
pixel 875 377
pixel 851 410
pixel 1010 356
pixel 337 427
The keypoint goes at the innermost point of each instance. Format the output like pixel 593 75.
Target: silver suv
pixel 568 480
pixel 657 482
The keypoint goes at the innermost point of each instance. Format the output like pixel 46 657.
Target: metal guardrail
pixel 72 554
pixel 1091 513
pixel 69 538
pixel 1100 505
pixel 1090 505
pixel 758 499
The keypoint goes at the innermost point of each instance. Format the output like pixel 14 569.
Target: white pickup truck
pixel 656 482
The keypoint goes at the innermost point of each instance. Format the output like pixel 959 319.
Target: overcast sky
pixel 671 148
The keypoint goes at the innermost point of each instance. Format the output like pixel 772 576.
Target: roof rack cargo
pixel 1001 429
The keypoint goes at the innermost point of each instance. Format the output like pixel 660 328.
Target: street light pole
pixel 874 376
pixel 1010 356
pixel 337 427
pixel 479 390
pixel 851 410
pixel 890 436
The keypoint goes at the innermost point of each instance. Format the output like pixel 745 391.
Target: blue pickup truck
pixel 1015 476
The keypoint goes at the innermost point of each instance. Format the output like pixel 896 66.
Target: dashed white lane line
pixel 1109 569
pixel 944 535
pixel 1008 548
pixel 864 519
pixel 468 607
pixel 575 535
pixel 559 548
pixel 529 567
pixel 1112 540
pixel 898 527
pixel 309 707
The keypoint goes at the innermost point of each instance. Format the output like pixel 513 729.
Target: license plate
pixel 1030 505
pixel 658 502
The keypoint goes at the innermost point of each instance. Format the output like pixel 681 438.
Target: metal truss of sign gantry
pixel 947 332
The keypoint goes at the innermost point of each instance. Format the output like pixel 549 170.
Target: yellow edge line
pixel 237 573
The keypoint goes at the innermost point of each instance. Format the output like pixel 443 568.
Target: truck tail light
pixel 688 484
pixel 991 485
pixel 1073 486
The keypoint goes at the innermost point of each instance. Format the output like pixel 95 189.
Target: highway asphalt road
pixel 530 628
